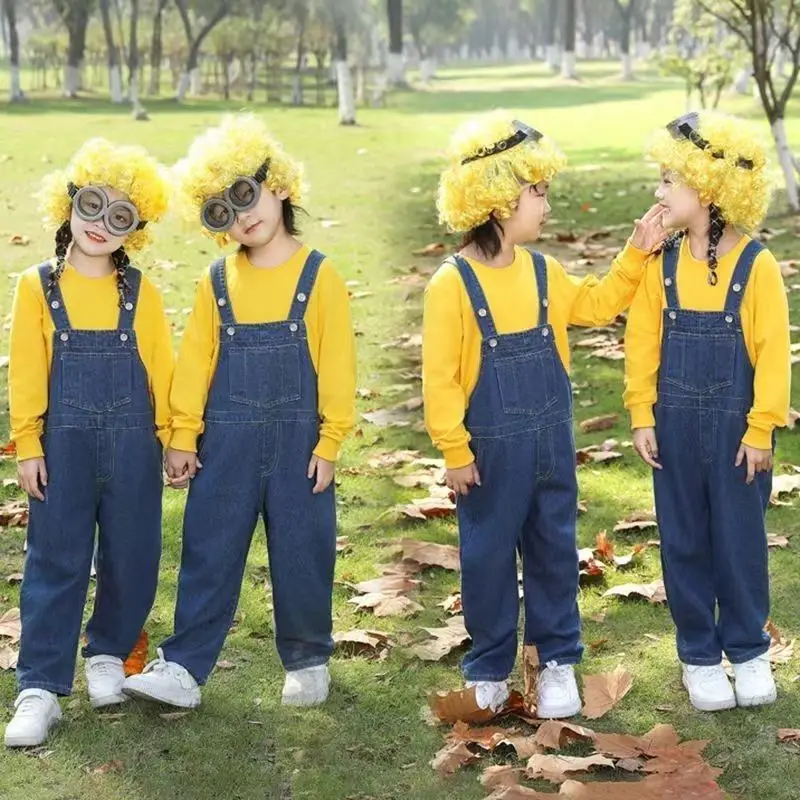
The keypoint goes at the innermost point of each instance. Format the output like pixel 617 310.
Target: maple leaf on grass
pixel 384 605
pixel 788 735
pixel 363 642
pixel 8 657
pixel 601 423
pixel 452 757
pixel 444 641
pixel 487 738
pixel 459 706
pixel 623 745
pixel 530 674
pixel 429 554
pixel 500 775
pixel 595 454
pixel 452 604
pixel 602 691
pixel 781 649
pixel 556 768
pixel 14 514
pixel 11 625
pixel 604 547
pixel 399 584
pixel 776 540
pixel 523 746
pixel 654 593
pixel 556 735
pixel 637 521
pixel 439 503
pixel 517 706
pixel 518 793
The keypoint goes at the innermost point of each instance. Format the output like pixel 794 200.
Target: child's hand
pixel 649 231
pixel 181 466
pixel 461 480
pixel 323 470
pixel 757 460
pixel 32 473
pixel 646 445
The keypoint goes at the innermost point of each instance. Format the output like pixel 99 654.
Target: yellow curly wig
pixel 238 146
pixel 469 194
pixel 741 194
pixel 127 168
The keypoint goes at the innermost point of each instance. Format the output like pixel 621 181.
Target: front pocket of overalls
pixel 527 382
pixel 702 363
pixel 265 376
pixel 96 382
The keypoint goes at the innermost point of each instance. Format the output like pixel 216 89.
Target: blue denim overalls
pixel 261 426
pixel 713 539
pixel 104 473
pixel 520 421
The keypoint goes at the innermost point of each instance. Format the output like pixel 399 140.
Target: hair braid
pixel 63 240
pixel 121 264
pixel 715 232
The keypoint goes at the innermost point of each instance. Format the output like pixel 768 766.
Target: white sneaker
pixel 754 684
pixel 37 710
pixel 306 687
pixel 164 682
pixel 490 694
pixel 104 678
pixel 709 688
pixel 557 692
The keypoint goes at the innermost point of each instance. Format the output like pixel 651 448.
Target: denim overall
pixel 261 426
pixel 520 422
pixel 104 474
pixel 713 539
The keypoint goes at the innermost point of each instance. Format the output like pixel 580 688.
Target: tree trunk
pixel 112 51
pixel 297 78
pixel 76 18
pixel 16 94
pixel 551 51
pixel 344 80
pixel 568 58
pixel 396 66
pixel 741 84
pixel 157 48
pixel 786 161
pixel 625 41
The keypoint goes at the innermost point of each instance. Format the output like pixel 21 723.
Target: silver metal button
pixel 492 342
pixel 123 337
pixel 64 337
pixel 301 297
pixel 667 281
pixel 221 302
pixel 728 318
pixel 231 331
pixel 481 312
pixel 293 327
pixel 673 315
pixel 129 306
pixel 545 302
pixel 55 304
pixel 545 333
pixel 737 287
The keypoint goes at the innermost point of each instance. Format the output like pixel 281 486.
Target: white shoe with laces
pixel 490 694
pixel 709 688
pixel 557 692
pixel 754 683
pixel 306 687
pixel 104 678
pixel 164 682
pixel 37 710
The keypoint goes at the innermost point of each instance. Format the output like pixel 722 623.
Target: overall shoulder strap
pixel 220 287
pixel 305 285
pixel 53 297
pixel 741 274
pixel 476 297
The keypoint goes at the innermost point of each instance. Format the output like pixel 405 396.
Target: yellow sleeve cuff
pixel 327 449
pixel 632 257
pixel 29 447
pixel 184 439
pixel 758 438
pixel 164 436
pixel 458 457
pixel 642 416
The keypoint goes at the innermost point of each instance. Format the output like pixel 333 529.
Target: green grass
pixel 370 741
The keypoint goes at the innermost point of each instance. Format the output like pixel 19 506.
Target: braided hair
pixel 715 232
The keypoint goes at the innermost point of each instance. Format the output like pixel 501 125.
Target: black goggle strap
pixel 522 133
pixel 261 173
pixel 72 190
pixel 685 127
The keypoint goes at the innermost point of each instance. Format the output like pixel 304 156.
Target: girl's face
pixel 530 215
pixel 259 225
pixel 93 238
pixel 682 202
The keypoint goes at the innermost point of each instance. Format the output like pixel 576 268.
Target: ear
pixel 283 194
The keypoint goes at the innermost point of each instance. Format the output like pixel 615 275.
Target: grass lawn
pixel 370 741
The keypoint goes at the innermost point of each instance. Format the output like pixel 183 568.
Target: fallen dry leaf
pixel 784 485
pixel 794 417
pixel 620 562
pixel 8 657
pixel 111 766
pixel 14 514
pixel 654 593
pixel 604 547
pixel 430 507
pixel 458 706
pixel 388 584
pixel 789 735
pixel 452 757
pixel 781 649
pixel 556 735
pixel 387 606
pixel 694 783
pixel 518 793
pixel 429 554
pixel 530 675
pixel 389 418
pixel 433 249
pixel 363 642
pixel 623 745
pixel 393 459
pixel 517 706
pixel 487 738
pixel 524 746
pixel 774 540
pixel 500 775
pixel 602 423
pixel 637 521
pixel 445 640
pixel 19 240
pixel 678 758
pixel 555 768
pixel 452 604
pixel 11 625
pixel 14 578
pixel 602 691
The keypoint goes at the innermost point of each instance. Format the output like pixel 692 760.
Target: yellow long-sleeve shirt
pixel 765 325
pixel 451 342
pixel 92 304
pixel 260 295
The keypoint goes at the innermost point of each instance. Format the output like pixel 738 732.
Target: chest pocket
pixel 699 362
pixel 265 377
pixel 527 383
pixel 96 382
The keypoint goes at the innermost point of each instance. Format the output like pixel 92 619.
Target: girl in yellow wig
pixel 89 378
pixel 707 383
pixel 498 402
pixel 263 400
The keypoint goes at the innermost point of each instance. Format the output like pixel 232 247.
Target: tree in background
pixel 9 11
pixel 551 26
pixel 157 47
pixel 627 10
pixel 433 26
pixel 396 72
pixel 208 13
pixel 74 14
pixel 112 53
pixel 568 55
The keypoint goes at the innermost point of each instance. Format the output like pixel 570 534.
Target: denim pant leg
pixel 301 542
pixel 682 507
pixel 490 520
pixel 129 545
pixel 58 562
pixel 549 551
pixel 218 526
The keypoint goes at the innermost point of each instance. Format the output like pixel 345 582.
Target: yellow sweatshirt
pixel 92 304
pixel 765 325
pixel 265 295
pixel 451 341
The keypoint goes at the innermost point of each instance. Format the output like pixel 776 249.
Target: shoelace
pixel 29 705
pixel 553 673
pixel 159 664
pixel 708 673
pixel 750 668
pixel 104 668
